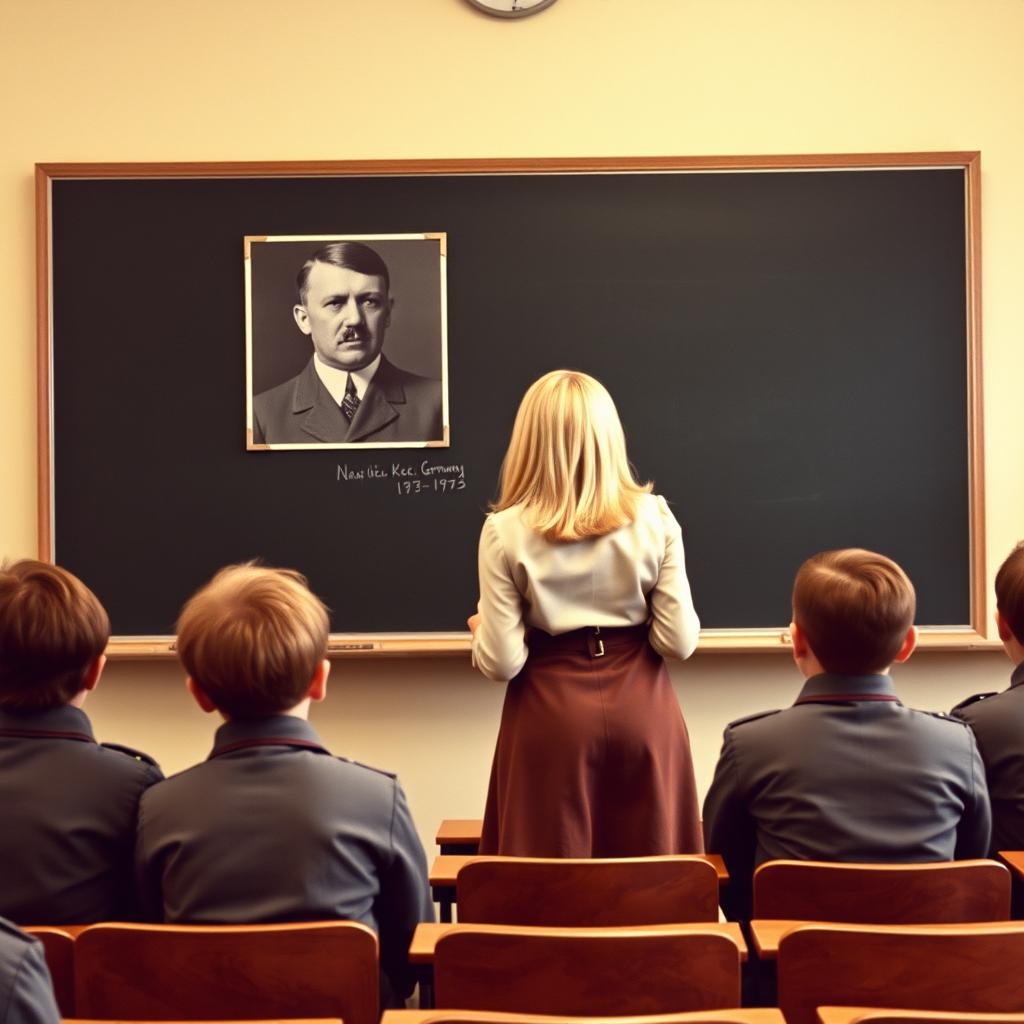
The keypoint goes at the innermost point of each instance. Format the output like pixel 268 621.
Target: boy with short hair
pixel 69 804
pixel 997 719
pixel 847 773
pixel 271 827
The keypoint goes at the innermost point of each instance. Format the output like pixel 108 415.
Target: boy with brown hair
pixel 997 719
pixel 271 827
pixel 847 773
pixel 69 803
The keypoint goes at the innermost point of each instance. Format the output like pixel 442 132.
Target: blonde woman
pixel 583 590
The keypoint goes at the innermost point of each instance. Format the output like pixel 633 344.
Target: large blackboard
pixel 790 351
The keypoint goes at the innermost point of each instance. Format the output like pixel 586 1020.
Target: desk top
pixel 421 949
pixel 766 934
pixel 751 1015
pixel 848 1014
pixel 1015 860
pixel 462 831
pixel 446 866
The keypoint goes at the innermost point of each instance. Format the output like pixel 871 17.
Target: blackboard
pixel 792 344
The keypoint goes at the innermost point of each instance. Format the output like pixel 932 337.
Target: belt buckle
pixel 598 643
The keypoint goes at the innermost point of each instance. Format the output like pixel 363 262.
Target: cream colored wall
pixel 253 80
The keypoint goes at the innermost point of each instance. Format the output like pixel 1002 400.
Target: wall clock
pixel 511 8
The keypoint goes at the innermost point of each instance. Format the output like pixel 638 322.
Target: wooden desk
pixel 446 867
pixel 459 835
pixel 1014 859
pixel 848 1014
pixel 421 949
pixel 752 1015
pixel 766 934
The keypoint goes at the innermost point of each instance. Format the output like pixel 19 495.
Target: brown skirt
pixel 593 758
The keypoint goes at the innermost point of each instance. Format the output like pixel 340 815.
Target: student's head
pixel 566 463
pixel 253 641
pixel 854 609
pixel 344 304
pixel 1010 600
pixel 53 632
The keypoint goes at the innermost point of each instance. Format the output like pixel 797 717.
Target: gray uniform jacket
pixel 997 721
pixel 271 827
pixel 847 774
pixel 69 809
pixel 398 406
pixel 26 995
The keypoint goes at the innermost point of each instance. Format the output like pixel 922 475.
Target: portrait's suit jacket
pixel 845 774
pixel 271 827
pixel 997 721
pixel 26 994
pixel 67 830
pixel 398 406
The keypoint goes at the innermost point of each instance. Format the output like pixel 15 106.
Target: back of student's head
pixel 1010 591
pixel 52 630
pixel 854 608
pixel 566 463
pixel 252 639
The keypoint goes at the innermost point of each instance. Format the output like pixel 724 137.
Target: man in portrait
pixel 348 392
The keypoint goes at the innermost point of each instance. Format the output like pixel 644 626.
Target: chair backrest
pixel 944 892
pixel 190 972
pixel 752 1015
pixel 593 893
pixel 972 968
pixel 585 971
pixel 863 1015
pixel 59 948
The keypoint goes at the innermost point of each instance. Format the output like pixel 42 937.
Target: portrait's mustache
pixel 351 334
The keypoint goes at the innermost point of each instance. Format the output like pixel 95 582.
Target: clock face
pixel 511 8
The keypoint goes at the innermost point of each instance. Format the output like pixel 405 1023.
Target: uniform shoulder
pixel 11 931
pixel 976 698
pixel 939 716
pixel 135 755
pixel 757 717
pixel 392 776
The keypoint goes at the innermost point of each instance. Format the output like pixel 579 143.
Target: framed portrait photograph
pixel 346 341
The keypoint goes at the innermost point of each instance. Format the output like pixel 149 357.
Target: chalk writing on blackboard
pixel 408 478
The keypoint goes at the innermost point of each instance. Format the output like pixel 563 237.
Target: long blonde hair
pixel 566 464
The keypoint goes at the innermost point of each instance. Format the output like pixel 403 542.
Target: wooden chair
pixel 944 892
pixel 192 972
pixel 586 971
pixel 865 1015
pixel 972 968
pixel 59 949
pixel 576 893
pixel 759 1015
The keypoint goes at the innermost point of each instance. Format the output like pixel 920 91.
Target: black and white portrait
pixel 346 341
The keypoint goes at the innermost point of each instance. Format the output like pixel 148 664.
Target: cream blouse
pixel 629 576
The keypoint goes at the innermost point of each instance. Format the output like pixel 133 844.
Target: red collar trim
pixel 266 741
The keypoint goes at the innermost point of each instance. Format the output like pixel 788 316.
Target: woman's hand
pixel 473 622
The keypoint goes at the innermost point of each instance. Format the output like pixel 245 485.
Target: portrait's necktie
pixel 350 402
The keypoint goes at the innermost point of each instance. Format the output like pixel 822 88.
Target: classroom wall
pixel 109 80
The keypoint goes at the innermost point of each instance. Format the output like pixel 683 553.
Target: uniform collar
pixel 1017 678
pixel 830 689
pixel 275 730
pixel 64 722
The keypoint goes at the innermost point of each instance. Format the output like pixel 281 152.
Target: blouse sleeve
pixel 499 644
pixel 674 623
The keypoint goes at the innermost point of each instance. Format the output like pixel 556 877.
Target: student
pixel 997 719
pixel 69 804
pixel 26 992
pixel 583 590
pixel 271 827
pixel 847 773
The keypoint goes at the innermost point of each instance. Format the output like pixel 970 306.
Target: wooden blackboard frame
pixel 973 636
